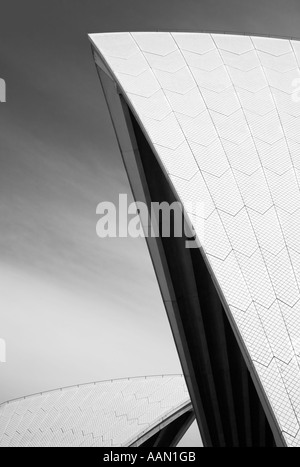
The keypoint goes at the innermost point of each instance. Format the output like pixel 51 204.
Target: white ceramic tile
pixel 232 142
pixel 197 43
pixel 160 43
pixel 272 46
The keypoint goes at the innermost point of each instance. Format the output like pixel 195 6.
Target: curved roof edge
pixel 109 380
pixel 197 31
pixel 122 412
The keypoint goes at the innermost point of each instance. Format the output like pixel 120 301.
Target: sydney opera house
pixel 215 118
pixel 135 412
pixel 212 119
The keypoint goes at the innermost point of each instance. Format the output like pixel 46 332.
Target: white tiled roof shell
pixel 223 115
pixel 105 414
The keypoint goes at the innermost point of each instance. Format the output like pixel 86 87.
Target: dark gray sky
pixel 75 308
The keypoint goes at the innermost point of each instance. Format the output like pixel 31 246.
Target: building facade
pixel 215 119
pixel 150 411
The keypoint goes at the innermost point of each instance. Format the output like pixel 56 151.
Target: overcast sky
pixel 75 308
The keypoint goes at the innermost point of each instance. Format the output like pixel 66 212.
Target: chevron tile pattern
pixel 223 116
pixel 105 414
